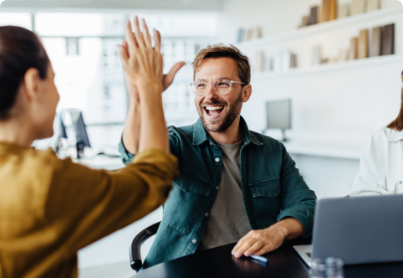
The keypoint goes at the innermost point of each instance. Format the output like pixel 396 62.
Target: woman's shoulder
pixel 379 143
pixel 386 135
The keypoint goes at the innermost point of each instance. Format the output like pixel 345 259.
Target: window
pixel 89 75
pixel 17 19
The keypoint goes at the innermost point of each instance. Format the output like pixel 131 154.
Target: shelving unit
pixel 351 98
pixel 332 36
pixel 323 27
pixel 328 68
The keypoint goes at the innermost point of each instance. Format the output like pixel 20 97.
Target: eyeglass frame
pixel 209 83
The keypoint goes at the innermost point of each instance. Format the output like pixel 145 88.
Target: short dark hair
pixel 223 51
pixel 20 50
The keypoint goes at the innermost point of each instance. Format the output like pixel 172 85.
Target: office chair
pixel 134 252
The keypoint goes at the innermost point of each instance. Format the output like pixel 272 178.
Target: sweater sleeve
pixel 84 205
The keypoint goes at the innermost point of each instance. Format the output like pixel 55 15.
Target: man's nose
pixel 210 93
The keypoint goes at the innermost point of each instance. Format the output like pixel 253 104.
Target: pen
pixel 257 258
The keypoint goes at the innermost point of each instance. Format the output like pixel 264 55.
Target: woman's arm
pixel 84 205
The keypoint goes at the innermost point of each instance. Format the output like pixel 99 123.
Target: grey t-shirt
pixel 228 221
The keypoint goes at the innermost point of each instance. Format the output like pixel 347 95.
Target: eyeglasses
pixel 220 86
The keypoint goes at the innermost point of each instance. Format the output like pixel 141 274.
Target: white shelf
pixel 323 27
pixel 326 68
pixel 342 150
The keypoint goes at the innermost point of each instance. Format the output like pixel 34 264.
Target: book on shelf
pixel 343 55
pixel 329 10
pixel 256 33
pixel 269 65
pixel 277 63
pixel 288 60
pixel 388 40
pixel 373 5
pixel 313 19
pixel 259 62
pixel 358 7
pixel 240 35
pixel 249 35
pixel 344 10
pixel 305 21
pixel 376 42
pixel 363 44
pixel 316 55
pixel 353 54
pixel 245 35
pixel 293 62
pixel 319 16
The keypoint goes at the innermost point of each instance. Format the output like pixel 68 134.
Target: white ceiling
pixel 194 5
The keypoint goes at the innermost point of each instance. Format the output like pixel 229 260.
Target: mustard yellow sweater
pixel 51 208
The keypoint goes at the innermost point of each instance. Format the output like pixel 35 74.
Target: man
pixel 235 185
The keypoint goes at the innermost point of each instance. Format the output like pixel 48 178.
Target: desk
pixel 283 263
pixel 101 162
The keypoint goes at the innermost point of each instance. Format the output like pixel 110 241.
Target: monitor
pixel 74 119
pixel 278 115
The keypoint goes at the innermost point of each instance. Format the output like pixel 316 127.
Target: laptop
pixel 359 230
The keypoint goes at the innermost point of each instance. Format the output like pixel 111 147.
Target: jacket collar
pixel 395 135
pixel 200 135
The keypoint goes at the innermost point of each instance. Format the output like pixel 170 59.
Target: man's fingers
pixel 169 78
pixel 131 40
pixel 157 40
pixel 147 36
pixel 264 249
pixel 137 32
pixel 238 245
pixel 254 248
pixel 245 246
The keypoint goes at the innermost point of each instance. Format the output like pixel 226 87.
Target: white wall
pixel 342 102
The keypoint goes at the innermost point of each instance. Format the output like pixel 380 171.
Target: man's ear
pixel 246 93
pixel 31 84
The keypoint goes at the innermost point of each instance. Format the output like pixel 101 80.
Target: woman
pixel 51 208
pixel 381 164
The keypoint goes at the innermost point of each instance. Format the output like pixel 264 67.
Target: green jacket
pixel 272 188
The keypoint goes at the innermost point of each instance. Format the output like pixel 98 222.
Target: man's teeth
pixel 214 107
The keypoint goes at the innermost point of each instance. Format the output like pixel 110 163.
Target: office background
pixel 335 106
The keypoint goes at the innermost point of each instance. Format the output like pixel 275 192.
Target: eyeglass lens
pixel 221 87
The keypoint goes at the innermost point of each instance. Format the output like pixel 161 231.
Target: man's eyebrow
pixel 214 80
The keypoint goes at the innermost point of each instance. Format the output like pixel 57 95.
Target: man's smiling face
pixel 219 112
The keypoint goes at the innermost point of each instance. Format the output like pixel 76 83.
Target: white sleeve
pixel 370 176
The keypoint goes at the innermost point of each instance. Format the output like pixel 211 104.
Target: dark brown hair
pixel 398 123
pixel 223 51
pixel 20 50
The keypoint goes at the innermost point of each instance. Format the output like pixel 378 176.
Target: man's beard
pixel 229 118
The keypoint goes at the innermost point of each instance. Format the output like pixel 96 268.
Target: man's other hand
pixel 259 242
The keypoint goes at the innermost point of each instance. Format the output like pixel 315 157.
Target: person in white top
pixel 381 162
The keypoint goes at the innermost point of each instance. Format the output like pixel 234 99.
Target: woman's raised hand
pixel 142 63
pixel 124 52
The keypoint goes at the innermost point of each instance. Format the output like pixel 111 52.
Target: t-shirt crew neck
pixel 227 222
